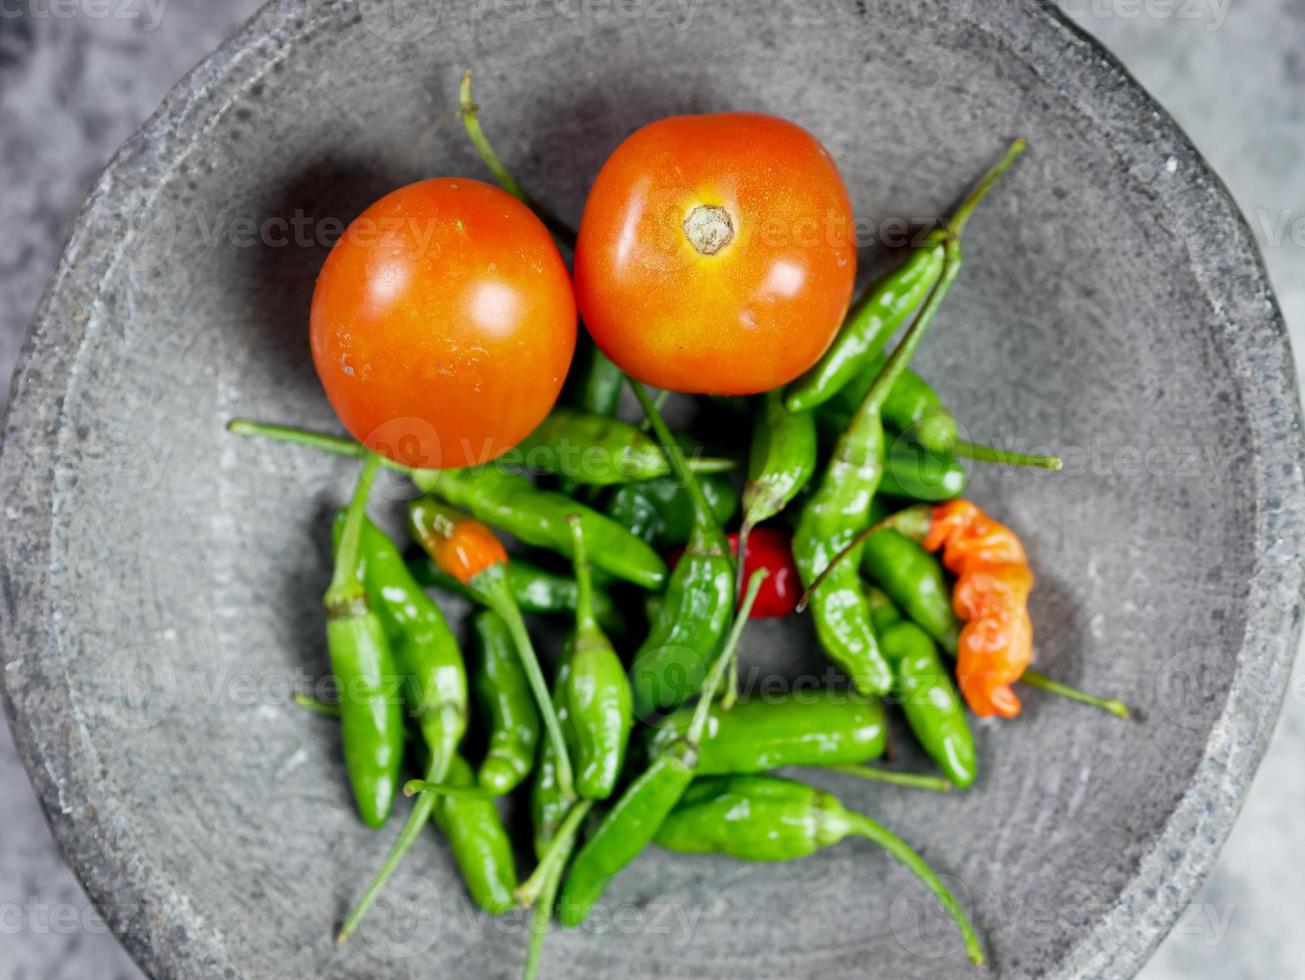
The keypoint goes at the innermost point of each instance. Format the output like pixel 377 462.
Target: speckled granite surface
pixel 71 88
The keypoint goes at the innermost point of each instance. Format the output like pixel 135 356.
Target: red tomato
pixel 443 324
pixel 716 253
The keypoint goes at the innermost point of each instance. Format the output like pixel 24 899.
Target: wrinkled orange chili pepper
pixel 991 596
pixel 463 547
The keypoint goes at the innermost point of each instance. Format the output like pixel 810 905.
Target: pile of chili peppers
pixel 852 485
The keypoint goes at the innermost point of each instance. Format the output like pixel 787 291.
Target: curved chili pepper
pixel 371 713
pixel 596 693
pixel 924 689
pixel 660 512
pixel 479 843
pixel 594 450
pixel 766 818
pixel 536 590
pixel 629 826
pixel 467 550
pixel 991 596
pixel 504 500
pixel 810 728
pixel 510 713
pixel 435 682
pixel 888 302
pixel 840 509
pixel 696 611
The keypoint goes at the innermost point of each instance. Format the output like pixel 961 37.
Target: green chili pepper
pixel 781 462
pixel 887 303
pixel 914 472
pixel 538 517
pixel 595 450
pixel 425 649
pixel 782 459
pixel 695 614
pixel 629 826
pixel 435 682
pixel 913 579
pixel 660 512
pixel 536 590
pixel 765 818
pixel 840 509
pixel 505 500
pixel 925 691
pixel 510 713
pixel 596 693
pixel 479 843
pixel 807 728
pixel 371 713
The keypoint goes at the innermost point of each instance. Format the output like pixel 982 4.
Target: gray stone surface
pixel 1245 125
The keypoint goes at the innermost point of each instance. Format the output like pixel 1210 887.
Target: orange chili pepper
pixel 460 545
pixel 991 596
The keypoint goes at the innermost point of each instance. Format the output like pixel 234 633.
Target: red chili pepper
pixel 772 550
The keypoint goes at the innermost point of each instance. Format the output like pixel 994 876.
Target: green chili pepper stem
pixel 585 619
pixel 912 522
pixel 554 857
pixel 470 113
pixel 492 585
pixel 346 587
pixel 645 424
pixel 316 706
pixel 961 216
pixel 702 710
pixel 674 453
pixel 1034 679
pixel 935 784
pixel 863 826
pixel 413 787
pixel 540 919
pixel 991 454
pixel 416 822
pixel 296 436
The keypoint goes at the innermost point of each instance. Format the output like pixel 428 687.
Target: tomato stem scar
pixel 708 228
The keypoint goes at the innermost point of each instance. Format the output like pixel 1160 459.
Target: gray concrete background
pixel 76 77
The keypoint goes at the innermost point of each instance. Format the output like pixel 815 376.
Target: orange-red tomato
pixel 443 324
pixel 716 253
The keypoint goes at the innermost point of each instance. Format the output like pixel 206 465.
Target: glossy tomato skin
pixel 710 318
pixel 443 324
